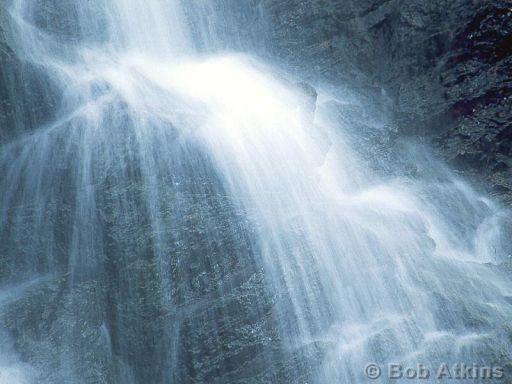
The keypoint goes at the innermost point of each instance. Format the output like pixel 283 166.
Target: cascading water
pixel 185 219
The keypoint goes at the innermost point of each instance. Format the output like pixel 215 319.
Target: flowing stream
pixel 191 217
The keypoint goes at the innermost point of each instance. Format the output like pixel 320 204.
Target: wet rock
pixel 186 301
pixel 445 66
pixel 308 100
pixel 477 78
pixel 27 97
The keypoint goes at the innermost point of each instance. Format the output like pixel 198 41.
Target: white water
pixel 366 268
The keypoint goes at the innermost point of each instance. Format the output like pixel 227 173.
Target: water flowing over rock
pixel 175 209
pixel 442 68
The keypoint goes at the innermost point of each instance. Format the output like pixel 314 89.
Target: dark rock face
pixel 188 303
pixel 444 67
pixel 27 97
pixel 477 79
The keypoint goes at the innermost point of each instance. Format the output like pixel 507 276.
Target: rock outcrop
pixel 27 97
pixel 443 68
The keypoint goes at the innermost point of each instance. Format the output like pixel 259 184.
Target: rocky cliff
pixel 443 67
pixel 27 99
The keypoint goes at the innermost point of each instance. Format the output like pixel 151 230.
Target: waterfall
pixel 192 217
